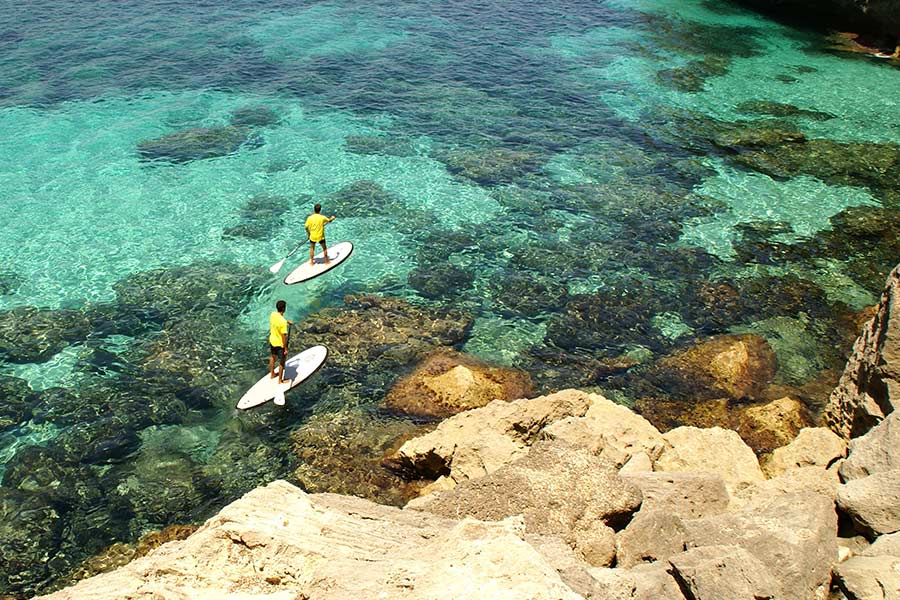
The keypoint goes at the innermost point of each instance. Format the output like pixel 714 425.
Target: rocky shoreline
pixel 570 495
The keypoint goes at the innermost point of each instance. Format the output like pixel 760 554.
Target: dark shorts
pixel 277 351
pixel 322 241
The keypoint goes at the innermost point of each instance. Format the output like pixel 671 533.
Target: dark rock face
pixel 198 144
pixel 30 528
pixel 877 16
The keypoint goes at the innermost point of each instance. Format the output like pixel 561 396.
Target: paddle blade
pixel 277 266
pixel 279 399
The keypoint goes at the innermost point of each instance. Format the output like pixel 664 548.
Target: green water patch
pixel 324 30
pixel 804 203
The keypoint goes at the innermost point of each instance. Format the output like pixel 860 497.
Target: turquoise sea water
pixel 549 153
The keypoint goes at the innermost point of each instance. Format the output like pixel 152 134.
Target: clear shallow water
pixel 491 136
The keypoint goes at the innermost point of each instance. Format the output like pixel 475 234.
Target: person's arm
pixel 330 219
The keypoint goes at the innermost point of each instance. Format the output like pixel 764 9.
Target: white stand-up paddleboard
pixel 297 369
pixel 336 255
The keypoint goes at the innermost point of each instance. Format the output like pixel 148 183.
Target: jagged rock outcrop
pixel 869 388
pixel 478 442
pixel 559 489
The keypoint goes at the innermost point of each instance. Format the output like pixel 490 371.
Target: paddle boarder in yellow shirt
pixel 278 339
pixel 315 229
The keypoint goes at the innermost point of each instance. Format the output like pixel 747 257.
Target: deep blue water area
pixel 564 187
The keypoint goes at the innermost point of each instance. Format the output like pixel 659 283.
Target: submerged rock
pixel 15 402
pixel 341 453
pixel 692 77
pixel 178 291
pixel 33 335
pixel 362 198
pixel 260 217
pixel 490 167
pixel 31 528
pixel 370 337
pixel 447 383
pixel 198 144
pixel 254 116
pixel 779 109
pixel 10 281
pixel 378 145
pixel 443 280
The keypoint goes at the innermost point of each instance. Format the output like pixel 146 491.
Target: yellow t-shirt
pixel 315 225
pixel 278 326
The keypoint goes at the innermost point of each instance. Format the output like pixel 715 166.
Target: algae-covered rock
pixel 442 280
pixel 362 198
pixel 380 145
pixel 369 337
pixel 225 287
pixel 29 334
pixel 490 167
pixel 30 528
pixel 198 144
pixel 780 109
pixel 447 383
pixel 10 281
pixel 260 217
pixel 341 453
pixel 15 404
pixel 254 116
pixel 693 76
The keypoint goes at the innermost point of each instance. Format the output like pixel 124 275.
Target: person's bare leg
pixel 325 250
pixel 312 253
pixel 281 373
pixel 272 366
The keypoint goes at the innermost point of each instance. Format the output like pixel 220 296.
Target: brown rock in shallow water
pixel 447 383
pixel 735 366
pixel 765 427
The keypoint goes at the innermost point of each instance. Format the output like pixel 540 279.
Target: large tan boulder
pixel 795 533
pixel 876 451
pixel 687 495
pixel 609 430
pixel 869 577
pixel 558 489
pixel 793 481
pixel 447 383
pixel 813 446
pixel 714 450
pixel 724 571
pixel 278 543
pixel 873 502
pixel 480 441
pixel 869 388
